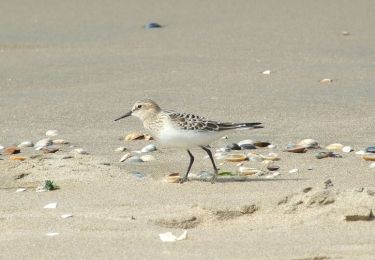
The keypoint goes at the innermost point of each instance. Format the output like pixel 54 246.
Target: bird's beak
pixel 123 116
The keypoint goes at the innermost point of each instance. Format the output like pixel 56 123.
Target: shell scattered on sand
pixel 347 149
pixel 60 141
pixel 247 171
pixel 79 151
pixel 148 148
pixel 335 147
pixel 369 157
pixel 12 150
pixel 235 158
pixel 261 144
pixel 266 72
pixel 326 81
pixel 322 155
pixel 233 146
pixel 370 149
pixel 169 237
pixel 42 143
pixel 52 234
pixel 120 149
pixel 372 165
pixel 1 147
pixel 172 178
pixel 20 190
pixel 52 205
pixel 270 157
pixel 147 158
pixel 50 149
pixel 361 152
pixel 66 215
pixel 296 149
pixel 309 143
pixel 273 167
pixel 295 170
pixel 17 158
pixel 152 25
pixel 138 136
pixel 52 133
pixel 125 157
pixel 26 144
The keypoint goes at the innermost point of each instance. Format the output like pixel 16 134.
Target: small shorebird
pixel 182 130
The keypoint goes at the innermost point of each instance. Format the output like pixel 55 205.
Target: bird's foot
pixel 184 179
pixel 214 178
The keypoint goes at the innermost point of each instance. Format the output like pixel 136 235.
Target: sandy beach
pixel 75 66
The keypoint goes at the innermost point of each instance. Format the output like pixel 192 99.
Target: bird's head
pixel 142 109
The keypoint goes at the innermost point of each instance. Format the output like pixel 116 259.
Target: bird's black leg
pixel 185 178
pixel 208 151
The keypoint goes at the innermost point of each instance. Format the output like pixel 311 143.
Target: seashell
pixel 266 162
pixel 148 148
pixel 370 149
pixel 50 149
pixel 347 149
pixel 135 159
pixel 125 157
pixel 233 146
pixel 173 178
pixel 322 155
pixel 235 158
pixel 293 170
pixel 345 33
pixel 25 144
pixel 52 205
pixel 296 149
pixel 248 147
pixel 79 151
pixel 12 150
pixel 276 174
pixel 120 149
pixel 42 143
pixel 224 137
pixel 169 237
pixel 273 167
pixel 59 141
pixel 138 175
pixel 326 81
pixel 266 72
pixel 247 141
pixel 309 143
pixel 64 216
pixel 372 165
pixel 335 147
pixel 134 136
pixel 52 133
pixel 204 175
pixel 246 171
pixel 1 147
pixel 271 146
pixel 147 158
pixel 360 152
pixel 20 190
pixel 52 234
pixel 152 25
pixel 17 158
pixel 369 157
pixel 270 157
pixel 261 144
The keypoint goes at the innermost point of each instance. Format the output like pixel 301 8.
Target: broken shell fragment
pixel 125 157
pixel 266 72
pixel 326 81
pixel 309 143
pixel 17 158
pixel 173 178
pixel 20 190
pixel 42 143
pixel 347 149
pixel 148 148
pixel 369 157
pixel 296 149
pixel 120 149
pixel 52 205
pixel 169 237
pixel 50 149
pixel 12 150
pixel 361 152
pixel 335 147
pixel 293 170
pixel 235 158
pixel 25 144
pixel 60 141
pixel 246 141
pixel 138 136
pixel 246 171
pixel 147 158
pixel 270 157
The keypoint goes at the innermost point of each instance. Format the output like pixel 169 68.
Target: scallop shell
pixel 26 144
pixel 173 178
pixel 335 147
pixel 369 157
pixel 309 143
pixel 235 158
pixel 246 171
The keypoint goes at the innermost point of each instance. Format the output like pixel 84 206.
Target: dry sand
pixel 76 65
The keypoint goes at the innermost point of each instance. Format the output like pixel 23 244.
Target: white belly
pixel 170 136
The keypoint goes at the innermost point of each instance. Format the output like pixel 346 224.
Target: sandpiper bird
pixel 182 130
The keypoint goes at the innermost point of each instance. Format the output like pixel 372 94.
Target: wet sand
pixel 77 66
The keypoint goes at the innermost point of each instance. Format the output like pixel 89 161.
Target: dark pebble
pixel 152 25
pixel 370 149
pixel 233 146
pixel 272 167
pixel 248 146
pixel 261 144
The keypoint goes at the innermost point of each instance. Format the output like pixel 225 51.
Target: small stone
pixel 60 141
pixel 52 133
pixel 248 147
pixel 347 149
pixel 233 146
pixel 152 25
pixel 50 149
pixel 42 143
pixel 148 148
pixel 120 149
pixel 307 189
pixel 273 167
pixel 359 214
pixel 370 149
pixel 12 150
pixel 322 155
pixel 335 147
pixel 25 144
pixel 261 144
pixel 325 81
pixel 293 170
pixel 79 151
pixel 328 184
pixel 296 149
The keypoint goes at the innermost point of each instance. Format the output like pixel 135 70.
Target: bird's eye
pixel 139 106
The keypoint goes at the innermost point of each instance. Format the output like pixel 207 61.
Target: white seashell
pixel 335 147
pixel 271 146
pixel 361 152
pixel 246 171
pixel 135 158
pixel 125 157
pixel 293 171
pixel 66 216
pixel 247 141
pixel 347 149
pixel 79 151
pixel 224 137
pixel 26 144
pixel 42 143
pixel 276 174
pixel 1 147
pixel 60 141
pixel 120 149
pixel 169 237
pixel 372 165
pixel 52 234
pixel 52 133
pixel 52 205
pixel 21 190
pixel 148 148
pixel 309 143
pixel 266 72
pixel 326 81
pixel 147 158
